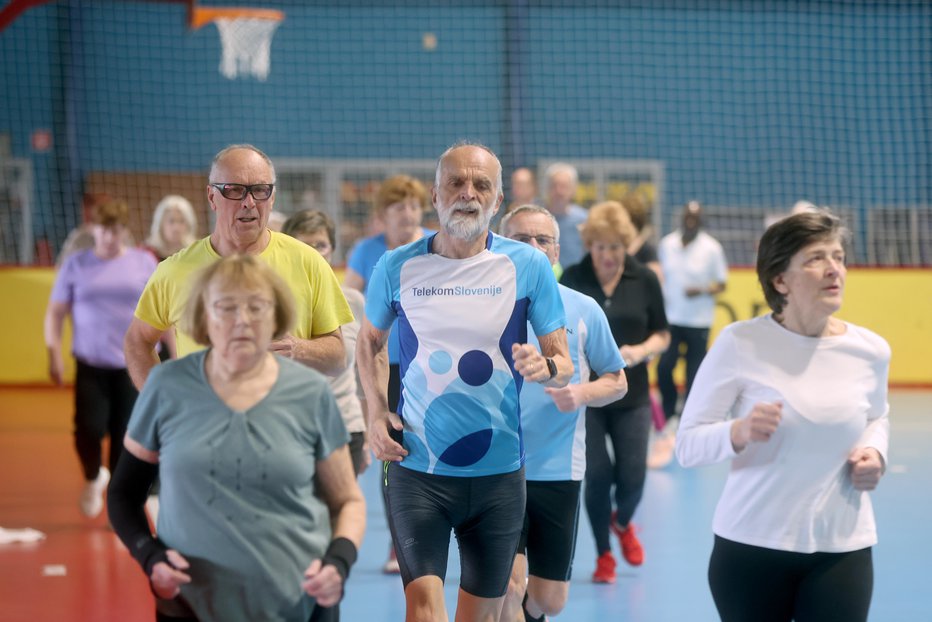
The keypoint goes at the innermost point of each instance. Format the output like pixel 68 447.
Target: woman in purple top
pixel 98 288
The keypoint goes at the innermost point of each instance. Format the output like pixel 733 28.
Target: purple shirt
pixel 103 295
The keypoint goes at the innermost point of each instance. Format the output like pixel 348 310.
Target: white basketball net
pixel 247 44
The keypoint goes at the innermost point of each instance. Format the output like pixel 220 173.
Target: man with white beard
pixel 454 453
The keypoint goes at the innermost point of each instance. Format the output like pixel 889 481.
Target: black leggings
pixel 696 341
pixel 755 584
pixel 628 431
pixel 103 402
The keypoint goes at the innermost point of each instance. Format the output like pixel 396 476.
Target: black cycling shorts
pixel 485 513
pixel 550 522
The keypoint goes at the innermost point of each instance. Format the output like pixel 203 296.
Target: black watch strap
pixel 551 367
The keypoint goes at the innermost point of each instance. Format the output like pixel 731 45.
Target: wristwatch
pixel 551 367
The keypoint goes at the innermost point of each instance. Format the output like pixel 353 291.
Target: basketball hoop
pixel 246 37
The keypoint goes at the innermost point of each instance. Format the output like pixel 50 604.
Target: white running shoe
pixel 92 497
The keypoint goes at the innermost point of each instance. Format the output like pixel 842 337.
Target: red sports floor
pixel 81 571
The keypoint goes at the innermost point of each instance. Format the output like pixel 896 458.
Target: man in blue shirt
pixel 462 299
pixel 562 180
pixel 554 427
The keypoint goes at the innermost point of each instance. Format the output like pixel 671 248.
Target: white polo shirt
pixel 698 264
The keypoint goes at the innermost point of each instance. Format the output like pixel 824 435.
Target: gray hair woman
pixel 173 227
pixel 796 400
pixel 251 453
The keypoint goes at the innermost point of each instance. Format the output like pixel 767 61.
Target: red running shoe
pixel 604 568
pixel 631 548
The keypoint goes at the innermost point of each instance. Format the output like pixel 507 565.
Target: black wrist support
pixel 341 554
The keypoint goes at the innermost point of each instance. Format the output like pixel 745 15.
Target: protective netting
pixel 744 106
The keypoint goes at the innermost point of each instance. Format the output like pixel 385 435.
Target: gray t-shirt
pixel 237 488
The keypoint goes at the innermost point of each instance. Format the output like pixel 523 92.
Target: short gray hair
pixel 562 167
pixel 223 153
pixel 468 143
pixel 182 206
pixel 529 208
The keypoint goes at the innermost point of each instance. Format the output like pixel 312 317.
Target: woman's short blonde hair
pixel 608 220
pixel 236 272
pixel 400 188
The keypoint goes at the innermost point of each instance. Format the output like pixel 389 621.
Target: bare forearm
pixel 139 349
pixel 554 346
pixel 373 374
pixel 653 346
pixel 54 320
pixel 350 520
pixel 657 343
pixel 140 359
pixel 606 389
pixel 52 326
pixel 337 486
pixel 324 353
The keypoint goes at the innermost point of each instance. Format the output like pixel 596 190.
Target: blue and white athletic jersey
pixel 456 322
pixel 555 442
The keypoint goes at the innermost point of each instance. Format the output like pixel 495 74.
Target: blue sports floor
pixel 81 573
pixel 675 519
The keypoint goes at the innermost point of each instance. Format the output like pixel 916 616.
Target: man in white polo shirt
pixel 694 271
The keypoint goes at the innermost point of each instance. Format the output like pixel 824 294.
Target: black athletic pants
pixel 103 402
pixel 755 584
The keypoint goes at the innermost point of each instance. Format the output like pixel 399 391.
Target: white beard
pixel 465 226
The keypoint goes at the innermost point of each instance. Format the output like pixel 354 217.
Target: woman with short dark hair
pixel 797 401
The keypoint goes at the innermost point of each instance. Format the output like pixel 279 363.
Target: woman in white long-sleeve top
pixel 797 400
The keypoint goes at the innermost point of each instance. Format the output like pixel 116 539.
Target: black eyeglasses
pixel 542 240
pixel 237 192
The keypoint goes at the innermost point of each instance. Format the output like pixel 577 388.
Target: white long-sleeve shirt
pixel 794 492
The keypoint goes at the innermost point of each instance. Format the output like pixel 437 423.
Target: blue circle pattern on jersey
pixel 440 362
pixel 460 412
pixel 475 368
pixel 474 433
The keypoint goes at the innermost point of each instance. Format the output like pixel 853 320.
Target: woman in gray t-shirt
pixel 251 452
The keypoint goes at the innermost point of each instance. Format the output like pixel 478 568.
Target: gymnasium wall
pixel 897 304
pixel 746 104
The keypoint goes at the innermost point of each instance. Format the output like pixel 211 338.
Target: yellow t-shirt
pixel 320 305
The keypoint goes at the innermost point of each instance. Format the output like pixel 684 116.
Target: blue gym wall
pixel 747 104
